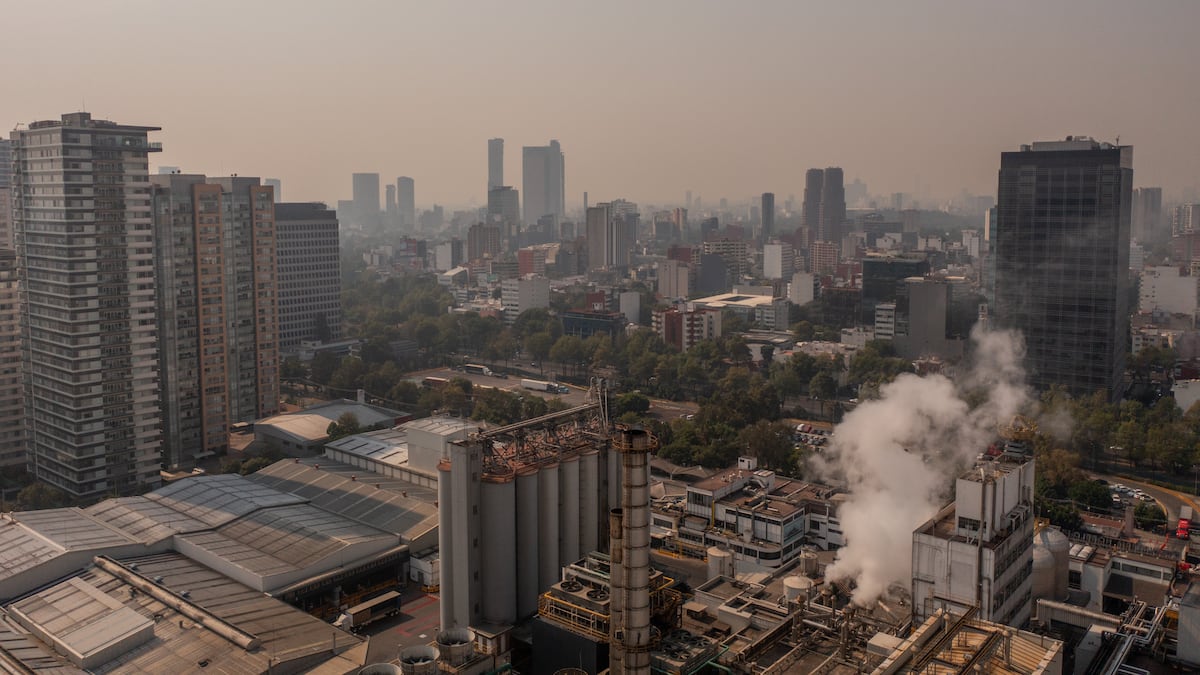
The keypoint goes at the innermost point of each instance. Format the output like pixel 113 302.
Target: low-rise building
pixel 305 432
pixel 684 328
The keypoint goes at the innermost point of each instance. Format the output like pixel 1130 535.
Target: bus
pixel 432 382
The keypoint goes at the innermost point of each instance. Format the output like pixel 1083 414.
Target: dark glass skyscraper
pixel 768 215
pixel 824 204
pixel 1061 244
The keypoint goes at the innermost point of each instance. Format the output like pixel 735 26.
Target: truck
pixel 476 369
pixel 542 385
pixel 358 616
pixel 1183 528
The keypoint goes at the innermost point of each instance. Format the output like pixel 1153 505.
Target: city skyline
pixel 921 98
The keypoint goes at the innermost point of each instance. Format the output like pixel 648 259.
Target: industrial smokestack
pixel 616 591
pixel 630 645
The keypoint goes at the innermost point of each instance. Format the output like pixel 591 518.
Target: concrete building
pixel 406 202
pixel 218 314
pixel 544 182
pixel 1166 290
pixel 885 321
pixel 735 254
pixel 495 163
pixel 92 325
pixel 1062 274
pixel 778 261
pixel 6 233
pixel 13 437
pixel 366 199
pixel 769 312
pixel 1147 223
pixel 978 550
pixel 674 279
pixel 483 241
pixel 504 209
pixel 767 214
pixel 608 242
pixel 822 258
pixel 276 186
pixel 532 260
pixel 803 288
pixel 683 328
pixel 824 210
pixel 448 255
pixel 309 265
pixel 523 294
pixel 305 432
pixel 922 327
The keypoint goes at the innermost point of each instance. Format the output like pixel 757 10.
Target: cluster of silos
pixel 629 587
pixel 533 520
pixel 1051 564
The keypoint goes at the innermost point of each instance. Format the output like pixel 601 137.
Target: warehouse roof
pixel 216 500
pixel 311 424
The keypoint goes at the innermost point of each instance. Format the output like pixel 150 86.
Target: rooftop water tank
pixel 456 645
pixel 720 563
pixel 795 587
pixel 419 660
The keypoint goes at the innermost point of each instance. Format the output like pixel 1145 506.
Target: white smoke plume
pixel 897 456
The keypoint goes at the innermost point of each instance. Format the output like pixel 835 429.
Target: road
pixel 578 395
pixel 1169 499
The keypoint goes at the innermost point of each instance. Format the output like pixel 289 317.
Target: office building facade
pixel 366 199
pixel 824 210
pixel 495 163
pixel 12 405
pixel 310 274
pixel 767 213
pixel 544 182
pixel 89 336
pixel 1061 245
pixel 406 202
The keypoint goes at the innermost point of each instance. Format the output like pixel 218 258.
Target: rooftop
pixel 311 424
pixel 744 300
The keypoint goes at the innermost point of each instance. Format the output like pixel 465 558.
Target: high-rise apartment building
pixel 504 208
pixel 608 237
pixel 366 199
pixel 483 241
pixel 276 185
pixel 406 202
pixel 85 253
pixel 12 406
pixel 674 279
pixel 1061 244
pixel 824 210
pixel 495 163
pixel 6 233
pixel 767 214
pixel 218 305
pixel 310 274
pixel 544 182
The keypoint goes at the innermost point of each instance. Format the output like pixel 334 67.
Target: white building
pixel 885 321
pixel 1165 290
pixel 673 277
pixel 519 295
pixel 978 550
pixel 778 261
pixel 803 288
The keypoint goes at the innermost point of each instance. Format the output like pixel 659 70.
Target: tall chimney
pixel 616 592
pixel 630 632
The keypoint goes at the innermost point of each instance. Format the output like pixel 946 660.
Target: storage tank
pixel 1053 540
pixel 527 540
pixel 549 570
pixel 568 495
pixel 797 587
pixel 456 645
pixel 808 565
pixel 571 671
pixel 418 660
pixel 498 573
pixel 1043 573
pixel 720 563
pixel 589 502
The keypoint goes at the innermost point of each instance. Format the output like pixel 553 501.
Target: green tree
pixel 255 464
pixel 293 369
pixel 822 386
pixel 633 401
pixel 322 367
pixel 1149 516
pixel 38 495
pixel 539 345
pixel 769 442
pixel 346 425
pixel 1090 494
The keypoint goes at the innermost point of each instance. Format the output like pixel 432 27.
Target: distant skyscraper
pixel 277 185
pixel 12 405
pixel 607 237
pixel 92 361
pixel 768 215
pixel 810 215
pixel 1148 223
pixel 504 210
pixel 406 202
pixel 310 277
pixel 6 233
pixel 1061 244
pixel 391 215
pixel 218 325
pixel 544 182
pixel 495 163
pixel 366 199
pixel 483 241
pixel 824 209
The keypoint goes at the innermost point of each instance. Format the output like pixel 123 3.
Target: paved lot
pixel 1170 500
pixel 417 624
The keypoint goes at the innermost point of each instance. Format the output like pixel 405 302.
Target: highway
pixel 1169 499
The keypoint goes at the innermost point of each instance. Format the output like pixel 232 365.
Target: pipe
pixel 616 592
pixel 185 607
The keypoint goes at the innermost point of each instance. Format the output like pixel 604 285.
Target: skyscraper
pixel 389 205
pixel 366 199
pixel 12 406
pixel 276 185
pixel 768 216
pixel 218 324
pixel 406 202
pixel 824 210
pixel 89 342
pixel 544 182
pixel 1147 222
pixel 607 238
pixel 310 276
pixel 1061 244
pixel 6 233
pixel 495 163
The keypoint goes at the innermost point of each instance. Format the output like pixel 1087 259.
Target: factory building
pixel 535 493
pixel 763 520
pixel 978 550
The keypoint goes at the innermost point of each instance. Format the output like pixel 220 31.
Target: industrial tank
pixel 549 569
pixel 1043 573
pixel 720 563
pixel 809 565
pixel 589 502
pixel 797 587
pixel 390 669
pixel 568 495
pixel 498 551
pixel 527 540
pixel 1060 547
pixel 418 660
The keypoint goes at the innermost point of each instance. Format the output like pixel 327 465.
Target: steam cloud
pixel 897 454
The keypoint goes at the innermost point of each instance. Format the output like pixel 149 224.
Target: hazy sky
pixel 648 98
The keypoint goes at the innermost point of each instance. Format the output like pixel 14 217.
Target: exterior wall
pixel 778 261
pixel 1164 289
pixel 12 405
pixel 100 434
pixel 310 276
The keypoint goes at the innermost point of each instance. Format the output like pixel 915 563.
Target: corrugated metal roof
pixel 216 500
pixel 72 529
pixel 22 549
pixel 144 519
